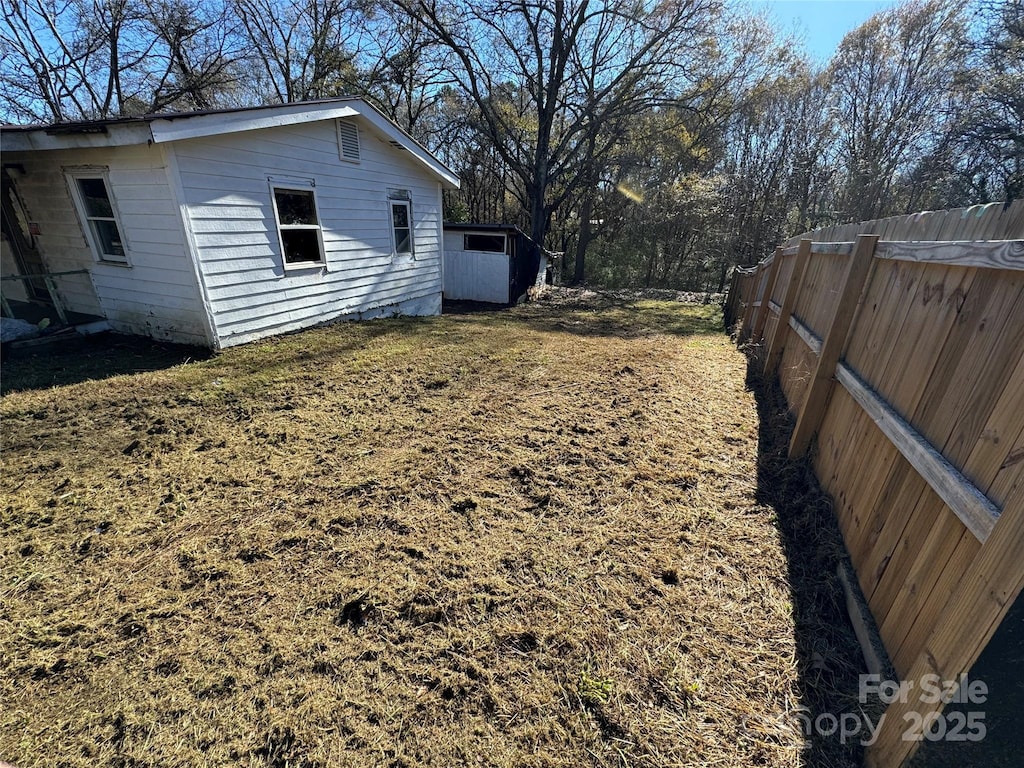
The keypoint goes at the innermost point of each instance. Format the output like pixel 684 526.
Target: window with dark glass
pixel 298 226
pixel 401 224
pixel 490 243
pixel 101 220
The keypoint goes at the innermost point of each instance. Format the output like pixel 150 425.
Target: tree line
pixel 654 142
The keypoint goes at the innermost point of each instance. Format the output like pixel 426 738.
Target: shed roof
pixel 175 126
pixel 451 226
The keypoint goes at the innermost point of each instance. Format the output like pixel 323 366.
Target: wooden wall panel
pixel 936 348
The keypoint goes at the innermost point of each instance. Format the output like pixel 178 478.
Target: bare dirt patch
pixel 520 538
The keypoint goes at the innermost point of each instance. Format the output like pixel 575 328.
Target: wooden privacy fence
pixel 899 345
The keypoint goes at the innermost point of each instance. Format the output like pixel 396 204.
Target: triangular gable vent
pixel 348 140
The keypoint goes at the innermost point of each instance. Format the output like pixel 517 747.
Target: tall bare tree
pixel 301 49
pixel 542 74
pixel 993 128
pixel 76 59
pixel 891 83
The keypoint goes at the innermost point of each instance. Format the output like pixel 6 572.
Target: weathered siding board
pixel 231 217
pixel 477 276
pixel 157 295
pixel 61 241
pixel 386 303
pixel 227 299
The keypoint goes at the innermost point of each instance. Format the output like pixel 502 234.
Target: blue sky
pixel 822 23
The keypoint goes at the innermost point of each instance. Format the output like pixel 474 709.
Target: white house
pixel 221 227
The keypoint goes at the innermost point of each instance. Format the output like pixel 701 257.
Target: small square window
pixel 298 227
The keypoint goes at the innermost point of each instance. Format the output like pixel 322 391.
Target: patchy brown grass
pixel 522 538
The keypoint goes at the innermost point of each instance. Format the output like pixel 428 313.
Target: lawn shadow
pixel 464 307
pixel 611 315
pixel 829 657
pixel 92 358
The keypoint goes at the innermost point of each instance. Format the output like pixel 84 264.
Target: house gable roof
pixel 161 128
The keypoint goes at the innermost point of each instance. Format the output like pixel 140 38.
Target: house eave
pixel 74 136
pixel 163 128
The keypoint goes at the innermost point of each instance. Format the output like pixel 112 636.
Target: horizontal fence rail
pixel 51 289
pixel 899 345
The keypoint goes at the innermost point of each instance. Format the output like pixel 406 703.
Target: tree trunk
pixel 585 236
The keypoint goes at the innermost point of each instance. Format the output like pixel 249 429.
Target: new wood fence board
pixel 938 581
pixel 833 458
pixel 766 334
pixel 810 296
pixel 1010 475
pixel 988 222
pixel 832 443
pixel 892 514
pixel 896 543
pixel 771 276
pixel 794 371
pixel 980 602
pixel 975 510
pixel 969 346
pixel 885 598
pixel 941 309
pixel 750 297
pixel 868 480
pixel 792 289
pixel 856 275
pixel 786 266
pixel 913 325
pixel 881 319
pixel 940 534
pixel 993 368
pixel 811 284
pixel 825 294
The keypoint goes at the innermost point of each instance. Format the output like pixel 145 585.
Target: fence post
pixel 796 280
pixel 748 310
pixel 727 304
pixel 813 408
pixel 766 300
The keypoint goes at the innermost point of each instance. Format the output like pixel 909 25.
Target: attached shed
pixel 221 227
pixel 493 263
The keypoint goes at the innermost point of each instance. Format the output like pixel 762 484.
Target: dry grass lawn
pixel 520 538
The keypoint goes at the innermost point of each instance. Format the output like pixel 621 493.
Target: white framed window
pixel 298 224
pixel 348 141
pixel 97 212
pixel 400 214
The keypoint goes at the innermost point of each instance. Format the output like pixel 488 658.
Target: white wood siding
pixel 231 218
pixel 474 275
pixel 158 295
